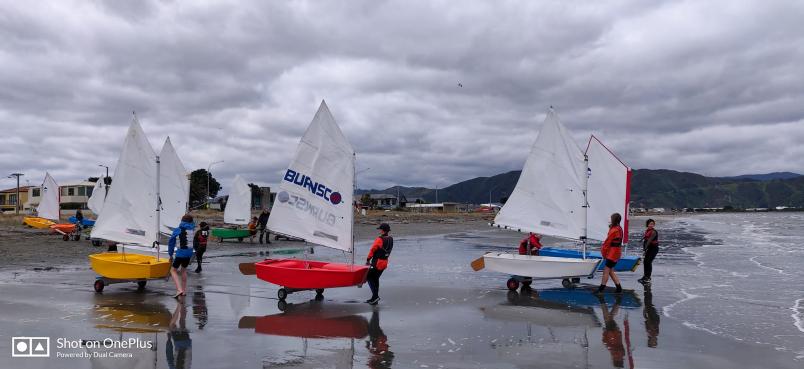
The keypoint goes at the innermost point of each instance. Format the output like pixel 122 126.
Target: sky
pixel 428 92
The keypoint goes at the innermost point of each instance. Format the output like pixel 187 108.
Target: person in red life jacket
pixel 200 243
pixel 377 260
pixel 650 247
pixel 530 242
pixel 611 252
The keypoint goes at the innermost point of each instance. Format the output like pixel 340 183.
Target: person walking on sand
pixel 200 243
pixel 377 260
pixel 611 252
pixel 183 254
pixel 262 223
pixel 79 220
pixel 650 247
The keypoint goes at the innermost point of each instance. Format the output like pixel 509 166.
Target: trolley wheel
pixel 65 237
pixel 319 291
pixel 282 294
pixel 99 285
pixel 141 285
pixel 282 305
pixel 512 284
pixel 240 239
pixel 77 237
pixel 567 283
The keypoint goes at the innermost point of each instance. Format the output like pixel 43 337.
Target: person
pixel 79 220
pixel 611 252
pixel 183 253
pixel 532 240
pixel 650 247
pixel 200 243
pixel 252 228
pixel 262 222
pixel 377 260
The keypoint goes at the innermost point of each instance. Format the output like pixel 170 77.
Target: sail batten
pixel 315 196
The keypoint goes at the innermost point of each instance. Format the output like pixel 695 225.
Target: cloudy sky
pixel 714 87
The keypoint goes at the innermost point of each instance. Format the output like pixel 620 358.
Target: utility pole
pixel 208 178
pixel 17 201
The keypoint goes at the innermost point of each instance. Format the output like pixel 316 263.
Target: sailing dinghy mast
pixel 585 202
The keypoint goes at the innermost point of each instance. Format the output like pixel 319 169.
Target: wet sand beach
pixel 435 311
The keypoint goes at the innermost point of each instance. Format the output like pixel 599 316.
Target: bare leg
pixel 183 280
pixel 614 277
pixel 175 275
pixel 605 279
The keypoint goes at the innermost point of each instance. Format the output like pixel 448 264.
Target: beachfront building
pixel 71 196
pixel 443 207
pixel 8 198
pixel 384 201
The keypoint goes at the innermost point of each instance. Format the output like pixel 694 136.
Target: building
pixel 8 198
pixel 443 207
pixel 72 195
pixel 384 201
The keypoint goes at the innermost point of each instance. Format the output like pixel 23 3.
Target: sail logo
pixel 305 206
pixel 316 188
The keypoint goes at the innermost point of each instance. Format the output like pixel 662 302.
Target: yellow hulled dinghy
pixel 37 222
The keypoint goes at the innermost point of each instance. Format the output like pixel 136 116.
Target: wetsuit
pixel 200 245
pixel 650 245
pixel 262 225
pixel 612 246
pixel 378 260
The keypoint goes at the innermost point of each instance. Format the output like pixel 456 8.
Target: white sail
pixel 548 198
pixel 314 201
pixel 238 207
pixel 174 190
pixel 129 214
pixel 95 202
pixel 49 204
pixel 609 186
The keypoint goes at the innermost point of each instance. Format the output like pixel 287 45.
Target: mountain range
pixel 650 188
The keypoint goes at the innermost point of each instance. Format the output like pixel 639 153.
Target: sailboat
pixel 48 210
pixel 237 212
pixel 314 203
pixel 551 198
pixel 131 216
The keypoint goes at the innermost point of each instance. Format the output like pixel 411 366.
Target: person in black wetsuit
pixel 377 260
pixel 262 224
pixel 650 247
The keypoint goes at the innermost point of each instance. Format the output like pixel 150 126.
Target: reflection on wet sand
pixel 130 316
pixel 325 323
pixel 200 312
pixel 179 346
pixel 651 319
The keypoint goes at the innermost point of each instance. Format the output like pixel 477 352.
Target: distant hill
pixel 649 188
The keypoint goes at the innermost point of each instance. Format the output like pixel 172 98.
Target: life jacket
pixel 183 238
pixel 648 235
pixel 383 252
pixel 617 241
pixel 201 237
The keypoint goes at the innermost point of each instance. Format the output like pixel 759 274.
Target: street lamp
pixel 209 175
pixel 17 201
pixel 105 181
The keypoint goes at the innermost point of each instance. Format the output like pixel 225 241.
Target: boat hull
pixel 541 267
pixel 305 274
pixel 228 233
pixel 128 266
pixel 627 263
pixel 37 222
pixel 63 228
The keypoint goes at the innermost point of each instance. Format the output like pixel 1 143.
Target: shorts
pixel 181 262
pixel 610 263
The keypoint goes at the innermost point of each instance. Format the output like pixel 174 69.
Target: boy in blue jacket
pixel 183 253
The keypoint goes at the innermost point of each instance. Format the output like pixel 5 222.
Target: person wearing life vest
pixel 200 243
pixel 183 253
pixel 650 247
pixel 377 260
pixel 611 252
pixel 532 242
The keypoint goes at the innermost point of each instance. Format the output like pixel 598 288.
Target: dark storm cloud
pixel 711 87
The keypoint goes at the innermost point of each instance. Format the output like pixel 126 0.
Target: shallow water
pixel 704 310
